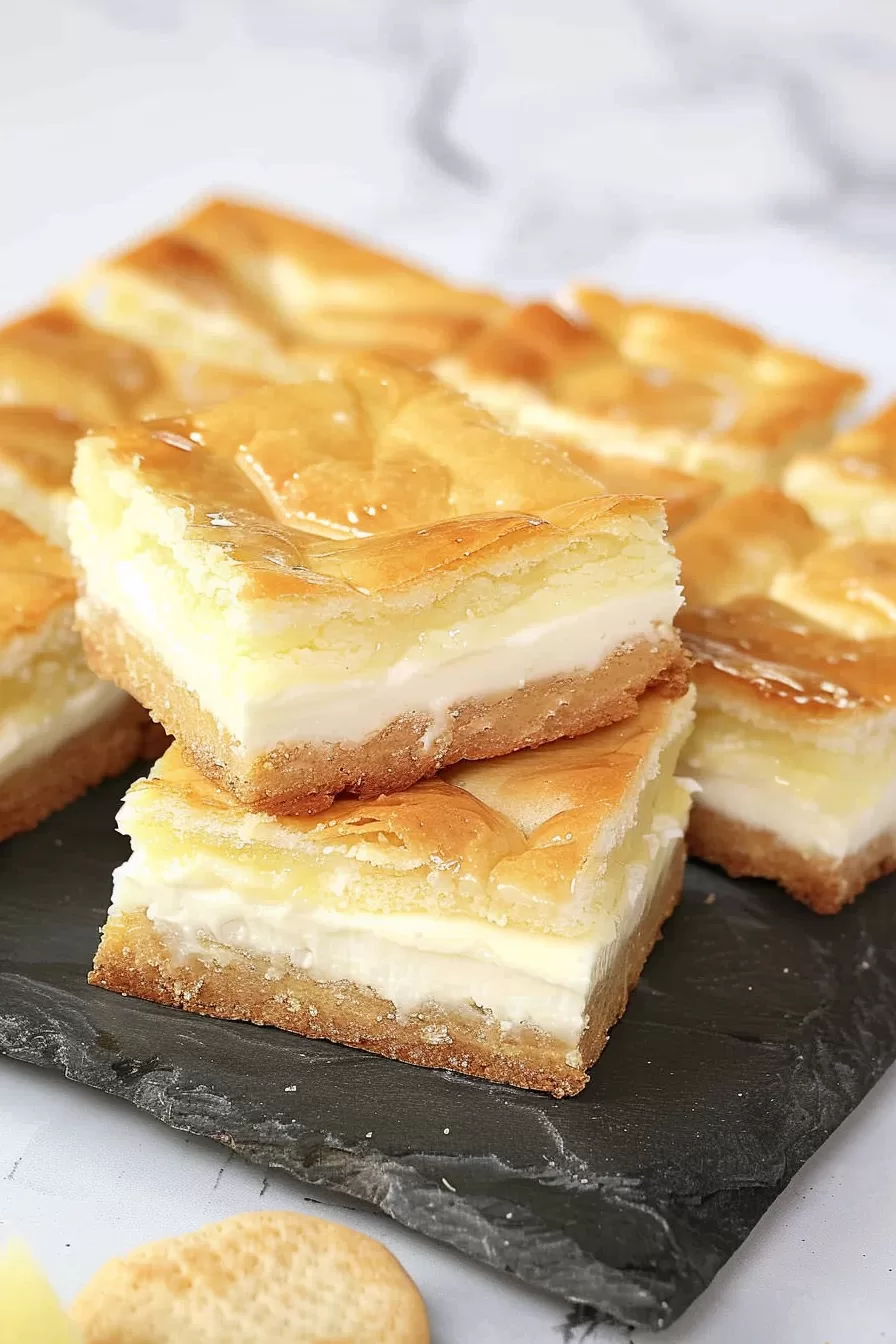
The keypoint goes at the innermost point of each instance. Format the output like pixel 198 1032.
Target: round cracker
pixel 259 1278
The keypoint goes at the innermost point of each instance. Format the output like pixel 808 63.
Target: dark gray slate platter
pixel 755 1030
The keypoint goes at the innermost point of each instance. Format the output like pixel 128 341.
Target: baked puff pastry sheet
pixel 351 582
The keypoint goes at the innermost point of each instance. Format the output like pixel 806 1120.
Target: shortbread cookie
pixel 258 1278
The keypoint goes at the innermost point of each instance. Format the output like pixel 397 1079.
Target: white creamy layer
pixel 28 734
pixel 412 960
pixel 353 709
pixel 800 823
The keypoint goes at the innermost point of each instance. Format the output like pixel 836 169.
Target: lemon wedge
pixel 30 1312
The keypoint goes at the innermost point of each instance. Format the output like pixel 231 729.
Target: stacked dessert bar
pixel 343 586
pixel 388 559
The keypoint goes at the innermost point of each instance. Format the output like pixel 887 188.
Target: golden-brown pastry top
pixel 340 274
pixel 39 444
pixel 368 478
pixel 243 286
pixel 739 544
pixel 53 359
pixel 684 496
pixel 866 453
pixel 770 659
pixel 35 579
pixel 659 371
pixel 571 363
pixel 520 829
pixel 850 587
pixel 781 390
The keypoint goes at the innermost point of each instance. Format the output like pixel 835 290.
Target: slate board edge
pixel 406 1196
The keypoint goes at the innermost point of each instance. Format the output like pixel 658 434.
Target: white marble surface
pixel 739 152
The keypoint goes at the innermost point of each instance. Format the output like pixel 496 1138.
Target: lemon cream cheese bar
pixel 793 751
pixel 850 489
pixel 491 921
pixel 61 729
pixel 239 285
pixel 349 583
pixel 681 388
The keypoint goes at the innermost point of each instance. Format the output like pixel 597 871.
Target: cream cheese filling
pixel 352 709
pixel 515 976
pixel 817 801
pixel 33 731
pixel 801 824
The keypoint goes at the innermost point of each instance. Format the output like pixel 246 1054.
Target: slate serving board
pixel 755 1030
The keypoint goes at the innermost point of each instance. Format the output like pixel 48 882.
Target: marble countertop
pixel 742 155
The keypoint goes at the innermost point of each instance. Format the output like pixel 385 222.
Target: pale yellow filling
pixel 375 872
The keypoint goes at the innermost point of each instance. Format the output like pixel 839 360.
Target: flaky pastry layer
pixel 678 387
pixel 775 667
pixel 850 489
pixel 739 545
pixel 850 587
pixel 242 286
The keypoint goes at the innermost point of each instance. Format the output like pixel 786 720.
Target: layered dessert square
pixel 491 921
pixel 794 751
pixel 349 583
pixel 61 729
pixel 850 489
pixel 238 285
pixel 848 586
pixel 681 388
pixel 741 543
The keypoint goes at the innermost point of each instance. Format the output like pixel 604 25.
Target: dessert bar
pixel 794 751
pixel 61 729
pixel 677 387
pixel 349 583
pixel 491 921
pixel 235 284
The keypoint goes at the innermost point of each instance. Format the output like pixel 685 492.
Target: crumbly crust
pixel 306 777
pixel 822 883
pixel 133 959
pixel 101 751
